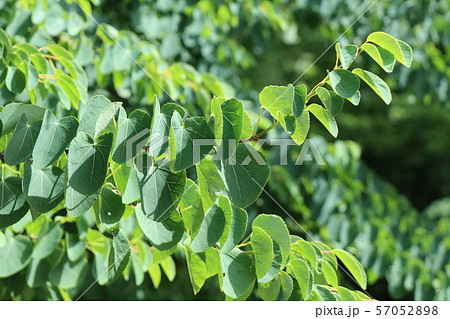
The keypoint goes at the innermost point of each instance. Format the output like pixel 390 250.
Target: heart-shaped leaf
pixel 53 138
pixel 228 123
pixel 238 272
pixel 163 235
pixel 11 114
pixel 160 190
pixel 99 112
pixel 277 99
pixel 159 138
pixel 111 207
pixel 132 134
pixel 192 140
pixel 245 174
pixel 20 147
pixel 43 187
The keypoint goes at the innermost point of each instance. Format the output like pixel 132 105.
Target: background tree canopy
pixel 382 194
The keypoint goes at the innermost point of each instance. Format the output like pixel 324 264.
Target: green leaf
pixel 376 83
pixel 78 203
pixel 347 54
pixel 86 170
pixel 48 239
pixel 32 77
pixel 13 205
pixel 138 270
pixel 244 175
pixel 383 57
pixel 37 273
pixel 132 190
pixel 58 51
pixel 275 227
pixel 155 274
pixel 332 102
pixel 187 139
pixel 210 183
pixel 43 187
pixel 325 293
pixel 247 126
pixel 160 190
pixel 225 205
pixel 305 250
pixel 111 207
pixel 20 147
pixel 263 249
pixel 211 229
pixel 53 138
pixel 346 294
pixel 97 241
pixel 159 137
pixel 325 118
pixel 269 291
pixel 5 42
pixel 191 207
pixel 11 114
pixel 355 98
pixel 15 80
pixel 87 162
pixel 98 113
pixel 132 134
pixel 216 116
pixel 212 261
pixel 237 229
pixel 287 285
pixel 75 247
pixel 238 272
pixel 169 268
pixel 299 100
pixel 330 274
pixel 344 82
pixel 277 99
pixel 61 94
pixel 303 275
pixel 401 50
pixel 353 266
pixel 336 104
pixel 2 240
pixel 69 274
pixel 163 235
pixel 15 255
pixel 69 86
pixel 228 123
pixel 196 267
pixel 297 127
pixel 119 256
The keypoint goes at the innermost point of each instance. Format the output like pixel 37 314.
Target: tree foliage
pixel 95 188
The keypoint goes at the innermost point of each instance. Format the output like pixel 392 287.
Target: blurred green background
pixel 382 194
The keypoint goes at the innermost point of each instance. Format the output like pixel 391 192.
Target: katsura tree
pixel 103 190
